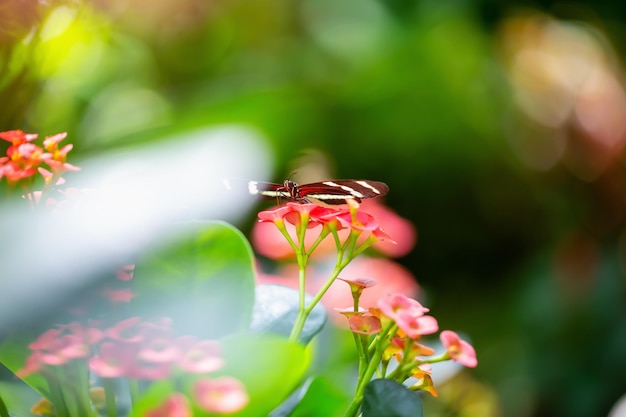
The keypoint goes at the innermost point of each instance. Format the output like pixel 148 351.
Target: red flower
pixel 17 137
pixel 458 349
pixel 220 395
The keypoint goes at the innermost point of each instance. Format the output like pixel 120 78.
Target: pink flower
pixel 126 272
pixel 220 395
pixel 414 324
pixel 119 296
pixel 294 212
pixel 201 357
pixel 458 349
pixel 402 230
pixel 113 360
pixel 390 277
pixel 176 405
pixel 394 304
pixel 59 346
pixel 128 331
pixel 364 324
pixel 17 137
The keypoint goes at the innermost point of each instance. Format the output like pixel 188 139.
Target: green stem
pixel 109 396
pixel 56 397
pixel 355 405
pixel 298 326
pixel 133 387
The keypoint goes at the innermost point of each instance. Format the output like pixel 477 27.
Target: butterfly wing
pixel 340 191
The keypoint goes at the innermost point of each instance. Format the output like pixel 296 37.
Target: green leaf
pixel 4 412
pixel 269 366
pixel 386 398
pixel 317 397
pixel 205 282
pixel 13 353
pixel 276 309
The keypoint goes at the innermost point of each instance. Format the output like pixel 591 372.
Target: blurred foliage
pixel 493 123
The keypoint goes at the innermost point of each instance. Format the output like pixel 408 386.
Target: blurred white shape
pixel 136 199
pixel 619 409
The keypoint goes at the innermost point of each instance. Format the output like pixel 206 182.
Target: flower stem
pixel 109 396
pixel 133 387
pixel 56 397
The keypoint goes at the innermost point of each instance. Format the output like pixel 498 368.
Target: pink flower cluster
pixel 316 215
pixel 412 322
pixel 24 158
pixel 223 395
pixel 407 321
pixel 132 348
pixel 141 350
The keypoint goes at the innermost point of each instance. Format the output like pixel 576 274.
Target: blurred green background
pixel 499 127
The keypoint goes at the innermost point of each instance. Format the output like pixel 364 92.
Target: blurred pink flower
pixel 269 242
pixel 390 277
pixel 458 349
pixel 220 395
pixel 113 360
pixel 402 230
pixel 119 296
pixel 201 357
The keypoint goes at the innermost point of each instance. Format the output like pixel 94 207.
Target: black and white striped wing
pixel 340 191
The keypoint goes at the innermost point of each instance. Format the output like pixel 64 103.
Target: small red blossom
pixel 294 212
pixel 17 137
pixel 220 395
pixel 176 405
pixel 458 349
